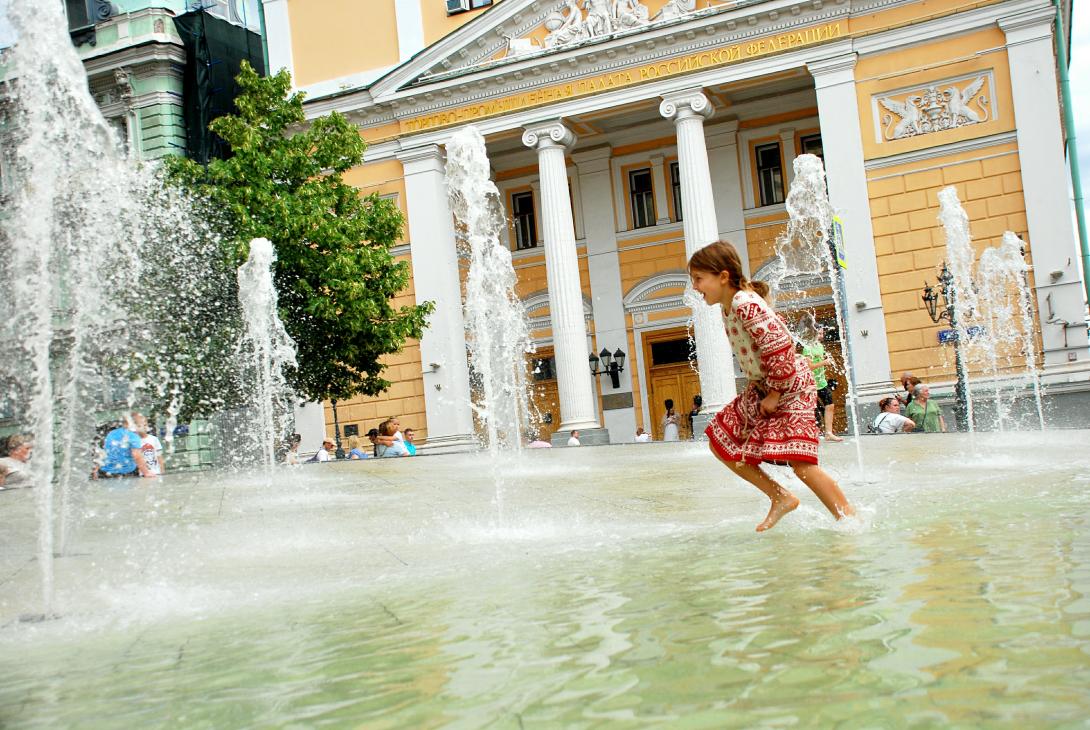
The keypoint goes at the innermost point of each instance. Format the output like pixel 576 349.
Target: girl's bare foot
pixel 780 507
pixel 832 437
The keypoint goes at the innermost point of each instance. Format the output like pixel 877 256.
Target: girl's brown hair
pixel 722 256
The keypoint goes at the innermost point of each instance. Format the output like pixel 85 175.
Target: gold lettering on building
pixel 617 79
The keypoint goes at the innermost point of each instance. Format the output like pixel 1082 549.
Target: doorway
pixel 671 374
pixel 544 395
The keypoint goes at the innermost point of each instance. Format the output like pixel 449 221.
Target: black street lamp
pixel 611 364
pixel 948 293
pixel 339 453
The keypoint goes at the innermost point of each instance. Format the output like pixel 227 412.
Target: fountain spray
pixel 498 333
pixel 270 346
pixel 959 256
pixel 803 253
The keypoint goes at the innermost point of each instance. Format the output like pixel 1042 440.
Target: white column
pixel 722 141
pixel 278 37
pixel 604 267
pixel 1045 180
pixel 551 139
pixel 787 147
pixel 838 111
pixel 688 109
pixel 435 278
pixel 658 181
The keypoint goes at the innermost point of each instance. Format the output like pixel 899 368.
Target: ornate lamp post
pixel 611 365
pixel 339 453
pixel 947 311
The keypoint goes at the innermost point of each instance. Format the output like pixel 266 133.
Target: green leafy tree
pixel 334 272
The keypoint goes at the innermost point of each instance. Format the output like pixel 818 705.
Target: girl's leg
pixel 830 412
pixel 824 487
pixel 782 500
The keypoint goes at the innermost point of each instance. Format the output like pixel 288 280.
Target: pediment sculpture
pixel 934 109
pixel 583 20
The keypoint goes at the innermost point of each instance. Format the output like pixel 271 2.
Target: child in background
pixel 810 333
pixel 150 446
pixel 772 419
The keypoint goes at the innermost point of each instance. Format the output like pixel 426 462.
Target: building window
pixel 769 173
pixel 643 199
pixel 675 185
pixel 544 369
pixel 460 6
pixel 672 351
pixel 811 145
pixel 522 210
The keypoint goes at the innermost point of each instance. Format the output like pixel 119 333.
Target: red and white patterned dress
pixel 765 351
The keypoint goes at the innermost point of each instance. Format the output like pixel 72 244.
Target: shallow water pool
pixel 618 586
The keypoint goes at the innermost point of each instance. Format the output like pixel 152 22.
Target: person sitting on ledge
pixel 642 437
pixel 534 441
pixel 573 439
pixel 14 464
pixel 923 410
pixel 386 445
pixel 890 420
pixel 124 455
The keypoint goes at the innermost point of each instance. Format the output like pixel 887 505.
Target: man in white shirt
pixel 15 464
pixel 642 437
pixel 573 439
pixel 323 453
pixel 890 420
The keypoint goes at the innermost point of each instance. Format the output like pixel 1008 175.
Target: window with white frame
pixel 811 145
pixel 640 188
pixel 769 173
pixel 523 221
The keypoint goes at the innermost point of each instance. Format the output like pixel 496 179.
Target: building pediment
pixel 516 31
pixel 519 29
pixel 502 61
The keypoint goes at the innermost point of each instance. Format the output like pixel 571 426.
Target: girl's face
pixel 711 286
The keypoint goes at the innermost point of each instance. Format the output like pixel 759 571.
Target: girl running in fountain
pixel 772 420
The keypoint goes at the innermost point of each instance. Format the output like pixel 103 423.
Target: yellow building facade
pixel 624 135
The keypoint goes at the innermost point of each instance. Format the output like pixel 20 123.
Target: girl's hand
pixel 770 403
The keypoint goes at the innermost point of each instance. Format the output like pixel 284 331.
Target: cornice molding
pixel 422 158
pixel 832 71
pixel 154 53
pixel 953 148
pixel 1028 26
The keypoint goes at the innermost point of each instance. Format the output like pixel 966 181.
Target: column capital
pixel 832 71
pixel 1030 26
pixel 425 158
pixel 678 105
pixel 553 133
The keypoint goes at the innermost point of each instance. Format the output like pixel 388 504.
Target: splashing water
pixel 112 288
pixel 270 346
pixel 498 332
pixel 959 259
pixel 1007 317
pixel 805 262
